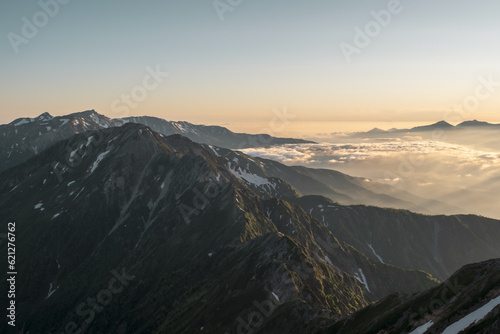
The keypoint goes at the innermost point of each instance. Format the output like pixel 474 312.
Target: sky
pixel 235 62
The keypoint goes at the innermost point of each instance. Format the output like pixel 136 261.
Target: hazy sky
pixel 264 55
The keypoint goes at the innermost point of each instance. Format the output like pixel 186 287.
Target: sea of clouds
pixel 456 174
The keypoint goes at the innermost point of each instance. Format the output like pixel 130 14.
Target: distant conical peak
pixel 45 115
pixel 374 130
pixel 442 123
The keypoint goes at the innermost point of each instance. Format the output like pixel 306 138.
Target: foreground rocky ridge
pixel 126 230
pixel 468 303
pixel 190 242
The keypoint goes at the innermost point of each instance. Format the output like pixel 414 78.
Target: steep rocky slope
pixel 468 302
pixel 126 230
pixel 439 245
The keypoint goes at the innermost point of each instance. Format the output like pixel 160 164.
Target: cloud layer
pixel 456 174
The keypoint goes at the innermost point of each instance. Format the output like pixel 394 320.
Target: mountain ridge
pixel 440 125
pixel 202 237
pixel 452 307
pixel 137 194
pixel 26 140
pixel 26 137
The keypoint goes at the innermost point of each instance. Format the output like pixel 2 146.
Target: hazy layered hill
pixel 438 126
pixel 25 137
pixel 337 186
pixel 192 239
pixel 468 303
pixel 454 165
pixel 474 133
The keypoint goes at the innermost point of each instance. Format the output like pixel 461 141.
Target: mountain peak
pixel 474 123
pixel 89 112
pixel 377 130
pixel 437 125
pixel 45 117
pixel 442 124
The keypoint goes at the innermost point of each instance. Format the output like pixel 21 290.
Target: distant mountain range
pixel 335 185
pixel 441 125
pixel 123 229
pixel 26 137
pixel 213 135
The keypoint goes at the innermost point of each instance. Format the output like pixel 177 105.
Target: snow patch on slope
pixel 244 175
pixel 362 279
pixel 51 290
pixel 214 150
pixel 375 253
pixel 422 329
pixel 98 160
pixel 21 122
pixel 473 317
